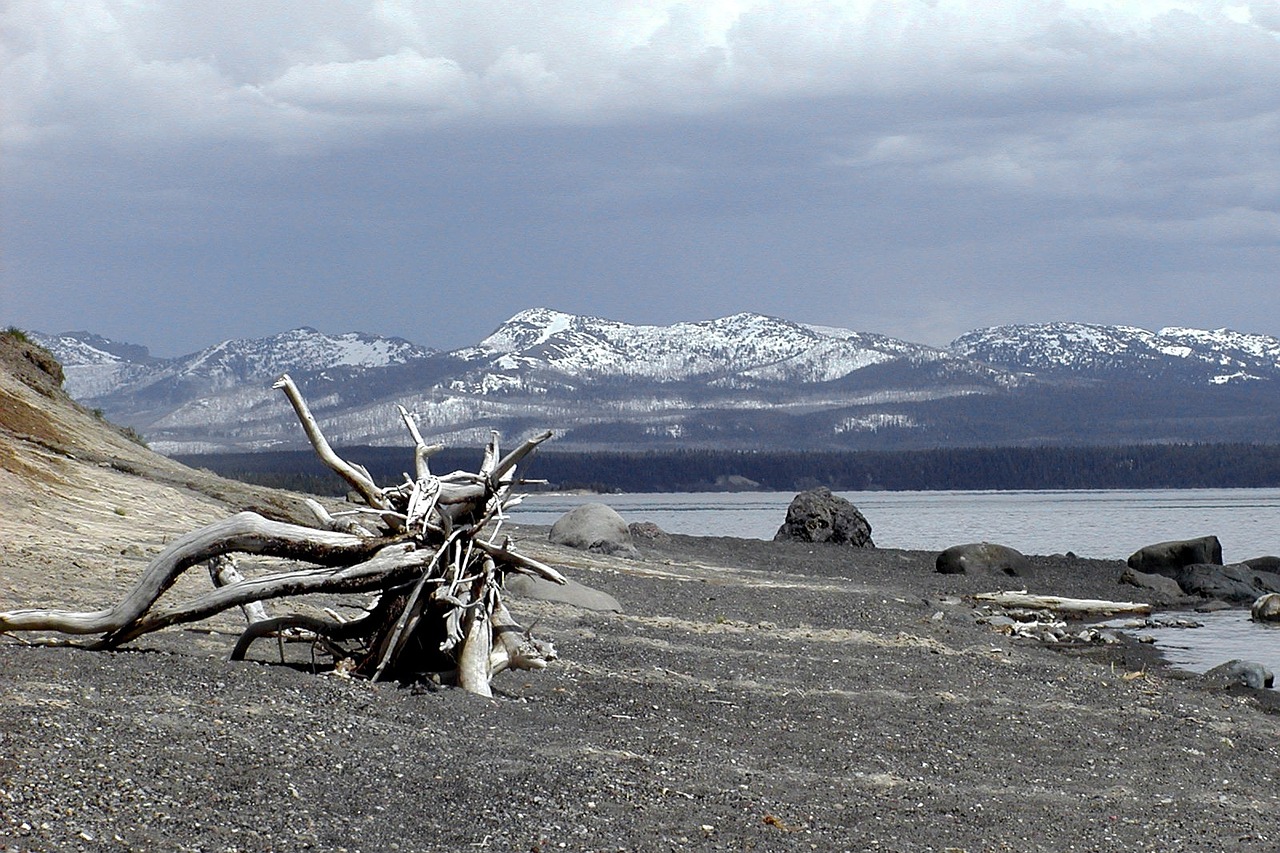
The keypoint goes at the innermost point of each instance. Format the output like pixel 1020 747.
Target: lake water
pixel 1101 524
pixel 1222 636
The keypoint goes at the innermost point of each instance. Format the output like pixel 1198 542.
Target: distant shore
pixel 708 470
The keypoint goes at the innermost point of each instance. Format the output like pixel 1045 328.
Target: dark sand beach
pixel 752 696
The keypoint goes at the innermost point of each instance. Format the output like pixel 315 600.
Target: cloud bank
pixel 275 71
pixel 918 167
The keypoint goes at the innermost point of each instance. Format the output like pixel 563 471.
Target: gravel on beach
pixel 751 696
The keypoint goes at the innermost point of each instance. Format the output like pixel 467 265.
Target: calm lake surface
pixel 1100 524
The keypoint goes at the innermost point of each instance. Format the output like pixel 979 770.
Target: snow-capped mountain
pixel 745 381
pixel 97 366
pixel 1115 352
pixel 738 351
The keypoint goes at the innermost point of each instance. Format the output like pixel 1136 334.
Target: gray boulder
pixel 647 530
pixel 1266 608
pixel 1264 564
pixel 982 557
pixel 579 595
pixel 1233 672
pixel 1236 583
pixel 594 527
pixel 1166 558
pixel 1165 587
pixel 817 515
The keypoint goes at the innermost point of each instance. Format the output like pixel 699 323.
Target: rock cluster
pixel 1196 566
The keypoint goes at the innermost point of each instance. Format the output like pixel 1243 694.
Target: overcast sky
pixel 181 172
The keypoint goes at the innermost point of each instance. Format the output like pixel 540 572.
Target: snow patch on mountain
pixel 1217 357
pixel 875 422
pixel 750 346
pixel 731 379
pixel 96 366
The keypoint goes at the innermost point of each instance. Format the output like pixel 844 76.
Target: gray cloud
pixel 181 172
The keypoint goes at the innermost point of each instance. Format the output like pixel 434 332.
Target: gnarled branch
pixel 439 582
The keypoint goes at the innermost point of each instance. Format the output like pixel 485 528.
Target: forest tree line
pixel 1129 467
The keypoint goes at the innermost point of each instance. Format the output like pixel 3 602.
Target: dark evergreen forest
pixel 1129 467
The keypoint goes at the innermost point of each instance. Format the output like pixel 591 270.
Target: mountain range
pixel 745 381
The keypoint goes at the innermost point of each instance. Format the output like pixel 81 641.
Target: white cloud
pixel 405 80
pixel 689 155
pixel 120 68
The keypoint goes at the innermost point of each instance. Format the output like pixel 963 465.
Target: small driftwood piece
pixel 428 548
pixel 1061 605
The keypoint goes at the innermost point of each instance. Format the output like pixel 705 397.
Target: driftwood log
pixel 428 548
pixel 1059 604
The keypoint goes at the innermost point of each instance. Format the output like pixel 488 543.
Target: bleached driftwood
pixel 428 547
pixel 358 478
pixel 1060 604
pixel 223 571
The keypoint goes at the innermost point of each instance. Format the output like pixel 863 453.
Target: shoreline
pixel 1099 525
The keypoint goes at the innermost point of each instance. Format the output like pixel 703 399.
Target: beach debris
pixel 1059 604
pixel 1044 627
pixel 428 549
pixel 1158 620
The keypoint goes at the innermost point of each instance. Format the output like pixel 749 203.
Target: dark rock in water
pixel 1166 587
pixel 1266 608
pixel 1236 583
pixel 593 527
pixel 647 530
pixel 579 595
pixel 982 557
pixel 1213 605
pixel 1166 558
pixel 1233 672
pixel 819 516
pixel 1264 564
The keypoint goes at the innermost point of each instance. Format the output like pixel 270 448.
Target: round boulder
pixel 1166 558
pixel 986 557
pixel 1233 672
pixel 1266 608
pixel 594 527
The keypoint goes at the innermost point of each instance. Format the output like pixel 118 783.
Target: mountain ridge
pixel 745 380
